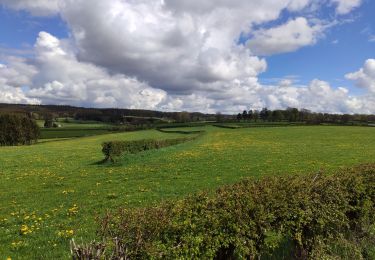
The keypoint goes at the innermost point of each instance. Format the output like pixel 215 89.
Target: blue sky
pixel 330 60
pixel 19 29
pixel 201 69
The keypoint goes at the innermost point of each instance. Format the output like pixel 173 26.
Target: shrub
pixel 315 216
pixel 114 149
pixel 18 130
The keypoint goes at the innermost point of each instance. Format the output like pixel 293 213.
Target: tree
pixel 244 115
pixel 293 114
pixel 48 121
pixel 277 116
pixel 264 114
pixel 182 117
pixel 345 118
pixel 239 116
pixel 250 114
pixel 219 117
pixel 18 130
pixel 256 115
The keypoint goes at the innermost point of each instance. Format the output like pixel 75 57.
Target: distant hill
pixel 102 114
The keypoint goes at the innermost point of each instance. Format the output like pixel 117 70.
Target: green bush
pixel 18 130
pixel 316 216
pixel 114 149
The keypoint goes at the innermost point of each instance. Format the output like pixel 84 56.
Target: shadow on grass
pixel 108 163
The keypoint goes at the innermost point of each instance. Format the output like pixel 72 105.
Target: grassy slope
pixel 48 179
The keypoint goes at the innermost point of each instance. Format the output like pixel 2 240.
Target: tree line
pixel 18 130
pixel 108 115
pixel 303 115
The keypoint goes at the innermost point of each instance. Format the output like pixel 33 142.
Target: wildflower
pixel 66 233
pixel 25 230
pixel 73 210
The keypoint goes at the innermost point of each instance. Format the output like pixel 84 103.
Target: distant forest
pixel 303 115
pixel 139 116
pixel 109 115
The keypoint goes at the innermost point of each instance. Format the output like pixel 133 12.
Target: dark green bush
pixel 115 149
pixel 18 130
pixel 313 216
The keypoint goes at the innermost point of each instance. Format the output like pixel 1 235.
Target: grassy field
pixel 73 128
pixel 52 191
pixel 53 133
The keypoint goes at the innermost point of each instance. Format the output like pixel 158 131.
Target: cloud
pixel 346 6
pixel 364 77
pixel 287 37
pixel 170 55
pixel 177 46
pixel 9 94
pixel 58 77
pixel 13 76
pixel 55 76
pixel 318 96
pixel 16 72
pixel 35 7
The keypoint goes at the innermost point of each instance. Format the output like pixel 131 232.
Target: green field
pixel 73 128
pixel 53 191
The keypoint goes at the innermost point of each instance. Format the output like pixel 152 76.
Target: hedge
pixel 241 125
pixel 186 132
pixel 114 149
pixel 315 216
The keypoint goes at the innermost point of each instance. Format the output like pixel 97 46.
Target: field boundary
pixel 115 149
pixel 303 216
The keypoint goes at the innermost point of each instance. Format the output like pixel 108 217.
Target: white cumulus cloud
pixel 346 6
pixel 287 37
pixel 56 76
pixel 365 76
pixel 171 55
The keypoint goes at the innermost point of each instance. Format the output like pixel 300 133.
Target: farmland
pixel 53 191
pixel 73 128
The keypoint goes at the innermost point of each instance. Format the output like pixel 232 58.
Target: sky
pixel 188 55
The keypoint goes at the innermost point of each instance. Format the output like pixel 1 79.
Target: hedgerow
pixel 187 132
pixel 316 216
pixel 114 149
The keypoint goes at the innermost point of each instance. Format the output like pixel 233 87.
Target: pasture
pixel 52 191
pixel 70 128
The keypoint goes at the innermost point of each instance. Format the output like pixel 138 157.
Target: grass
pixel 77 124
pixel 53 133
pixel 73 128
pixel 55 189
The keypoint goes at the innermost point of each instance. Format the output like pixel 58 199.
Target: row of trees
pixel 18 130
pixel 303 115
pixel 291 114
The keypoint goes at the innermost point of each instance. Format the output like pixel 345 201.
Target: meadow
pixel 70 128
pixel 53 191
